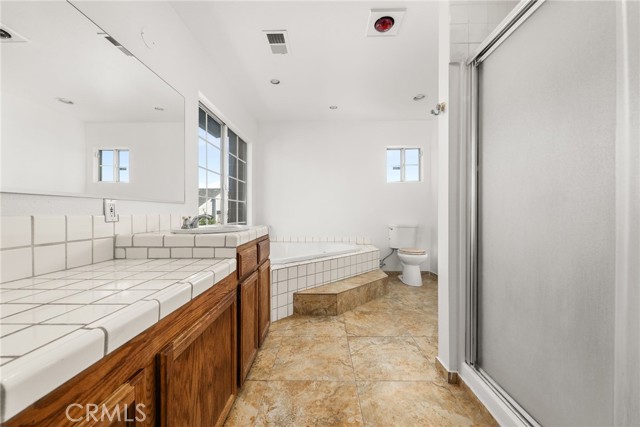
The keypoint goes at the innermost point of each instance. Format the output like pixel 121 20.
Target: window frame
pixel 403 163
pixel 97 169
pixel 224 169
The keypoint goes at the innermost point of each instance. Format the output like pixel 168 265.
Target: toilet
pixel 403 238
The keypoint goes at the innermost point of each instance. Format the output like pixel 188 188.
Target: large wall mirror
pixel 81 115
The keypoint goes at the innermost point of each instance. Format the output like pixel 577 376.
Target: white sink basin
pixel 211 229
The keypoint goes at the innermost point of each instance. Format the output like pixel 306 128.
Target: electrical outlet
pixel 110 214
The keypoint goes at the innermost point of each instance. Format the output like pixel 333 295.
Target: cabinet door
pixel 125 407
pixel 248 325
pixel 247 260
pixel 198 370
pixel 264 301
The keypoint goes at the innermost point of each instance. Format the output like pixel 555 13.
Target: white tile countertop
pixel 164 244
pixel 55 325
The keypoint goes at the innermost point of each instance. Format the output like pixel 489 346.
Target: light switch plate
pixel 110 214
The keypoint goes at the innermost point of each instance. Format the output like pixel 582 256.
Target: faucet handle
pixel 186 222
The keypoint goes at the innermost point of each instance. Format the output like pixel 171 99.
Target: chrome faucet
pixel 188 222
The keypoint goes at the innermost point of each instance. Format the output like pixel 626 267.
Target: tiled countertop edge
pixel 170 240
pixel 30 377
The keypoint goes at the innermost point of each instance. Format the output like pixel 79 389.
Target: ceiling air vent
pixel 278 42
pixel 118 45
pixel 7 35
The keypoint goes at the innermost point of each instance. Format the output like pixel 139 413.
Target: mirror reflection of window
pixel 113 165
pixel 123 166
pixel 95 97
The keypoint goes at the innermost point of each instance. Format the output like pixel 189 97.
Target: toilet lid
pixel 412 251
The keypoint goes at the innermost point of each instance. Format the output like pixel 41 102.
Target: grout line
pixel 33 251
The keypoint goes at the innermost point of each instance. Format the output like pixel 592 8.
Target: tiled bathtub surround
pixel 60 323
pixel 286 279
pixel 168 245
pixel 33 245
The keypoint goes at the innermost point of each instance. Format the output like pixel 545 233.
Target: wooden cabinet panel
pixel 127 406
pixel 248 325
pixel 264 301
pixel 264 250
pixel 247 260
pixel 197 370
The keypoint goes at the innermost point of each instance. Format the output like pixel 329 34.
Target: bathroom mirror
pixel 80 115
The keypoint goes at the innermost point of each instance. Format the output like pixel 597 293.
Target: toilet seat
pixel 412 251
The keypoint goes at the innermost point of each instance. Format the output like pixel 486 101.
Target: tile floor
pixel 372 366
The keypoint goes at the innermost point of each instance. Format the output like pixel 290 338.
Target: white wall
pixel 182 63
pixel 41 148
pixel 329 179
pixel 156 160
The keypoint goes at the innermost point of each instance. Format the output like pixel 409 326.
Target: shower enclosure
pixel 541 319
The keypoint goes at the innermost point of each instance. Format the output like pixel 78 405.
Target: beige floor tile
pixel 310 403
pixel 316 358
pixel 332 326
pixel 428 346
pixel 410 404
pixel 265 359
pixel 305 373
pixel 389 358
pixel 246 409
pixel 378 320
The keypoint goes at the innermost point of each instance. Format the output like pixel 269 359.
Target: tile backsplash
pixel 32 245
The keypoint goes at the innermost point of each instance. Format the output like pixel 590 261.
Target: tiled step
pixel 337 297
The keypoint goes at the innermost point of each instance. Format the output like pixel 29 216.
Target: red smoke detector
pixel 384 24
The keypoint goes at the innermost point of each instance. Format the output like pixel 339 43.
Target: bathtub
pixel 299 266
pixel 286 253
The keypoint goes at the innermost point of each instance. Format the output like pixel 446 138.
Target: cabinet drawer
pixel 264 249
pixel 247 260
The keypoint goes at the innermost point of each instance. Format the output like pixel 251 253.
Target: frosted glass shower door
pixel 545 213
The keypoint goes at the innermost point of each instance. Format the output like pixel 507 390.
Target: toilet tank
pixel 402 236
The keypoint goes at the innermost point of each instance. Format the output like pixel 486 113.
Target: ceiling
pixel 330 60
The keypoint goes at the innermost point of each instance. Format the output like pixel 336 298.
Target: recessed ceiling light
pixel 158 108
pixel 419 97
pixel 333 107
pixel 65 101
pixel 275 81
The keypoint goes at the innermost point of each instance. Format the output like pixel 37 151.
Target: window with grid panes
pixel 210 167
pixel 237 205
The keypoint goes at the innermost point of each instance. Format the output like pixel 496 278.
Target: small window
pixel 403 165
pixel 113 165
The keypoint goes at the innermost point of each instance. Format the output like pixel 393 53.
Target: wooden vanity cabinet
pixel 182 370
pixel 264 301
pixel 248 321
pixel 254 300
pixel 197 370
